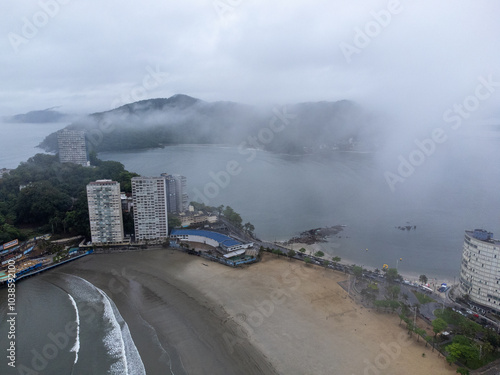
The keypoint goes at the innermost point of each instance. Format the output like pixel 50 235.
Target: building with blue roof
pixel 214 239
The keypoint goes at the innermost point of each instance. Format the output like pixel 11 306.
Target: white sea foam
pixel 76 346
pixel 119 341
pixel 113 340
pixel 117 338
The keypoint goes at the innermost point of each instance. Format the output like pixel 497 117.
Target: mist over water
pixel 422 82
pixel 18 141
pixel 453 190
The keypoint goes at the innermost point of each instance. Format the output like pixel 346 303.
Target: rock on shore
pixel 316 235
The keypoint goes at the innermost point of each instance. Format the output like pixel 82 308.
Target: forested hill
pixel 181 119
pixel 38 117
pixel 51 197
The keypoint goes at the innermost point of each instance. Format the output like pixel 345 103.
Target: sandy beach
pixel 192 316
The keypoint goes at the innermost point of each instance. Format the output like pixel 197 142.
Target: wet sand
pixel 189 315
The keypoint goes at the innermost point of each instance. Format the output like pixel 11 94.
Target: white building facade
pixel 72 147
pixel 149 196
pixel 480 270
pixel 105 212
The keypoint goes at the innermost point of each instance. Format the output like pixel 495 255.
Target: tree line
pixel 43 195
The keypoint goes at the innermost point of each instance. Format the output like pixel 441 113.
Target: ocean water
pixel 454 190
pixel 18 141
pixel 66 325
pixel 75 328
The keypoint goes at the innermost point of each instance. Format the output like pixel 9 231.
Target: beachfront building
pixel 214 239
pixel 149 195
pixel 105 212
pixel 480 270
pixel 176 193
pixel 194 218
pixel 72 147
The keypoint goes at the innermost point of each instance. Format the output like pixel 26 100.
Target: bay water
pixel 452 190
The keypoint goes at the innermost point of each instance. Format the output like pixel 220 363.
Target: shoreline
pixel 169 318
pixel 411 276
pixel 275 316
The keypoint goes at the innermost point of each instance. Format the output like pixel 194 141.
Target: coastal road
pixel 427 309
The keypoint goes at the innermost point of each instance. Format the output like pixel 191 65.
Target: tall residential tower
pixel 72 147
pixel 176 192
pixel 105 211
pixel 480 271
pixel 149 195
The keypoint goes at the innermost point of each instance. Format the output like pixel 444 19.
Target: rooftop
pixel 220 238
pixel 482 235
pixel 103 182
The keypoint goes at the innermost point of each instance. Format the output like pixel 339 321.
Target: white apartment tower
pixel 105 211
pixel 176 192
pixel 480 270
pixel 149 195
pixel 72 147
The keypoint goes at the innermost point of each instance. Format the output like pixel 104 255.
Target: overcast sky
pixel 88 56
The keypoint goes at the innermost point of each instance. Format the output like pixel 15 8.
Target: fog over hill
pixel 181 119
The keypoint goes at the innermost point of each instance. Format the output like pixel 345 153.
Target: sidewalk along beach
pixel 190 316
pixel 411 276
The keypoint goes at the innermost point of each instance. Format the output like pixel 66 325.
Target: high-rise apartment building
pixel 480 270
pixel 176 192
pixel 105 211
pixel 149 196
pixel 72 147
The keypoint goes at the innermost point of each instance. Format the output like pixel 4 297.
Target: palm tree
pixel 417 306
pixel 420 332
pixel 248 227
pixel 357 271
pixel 438 325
